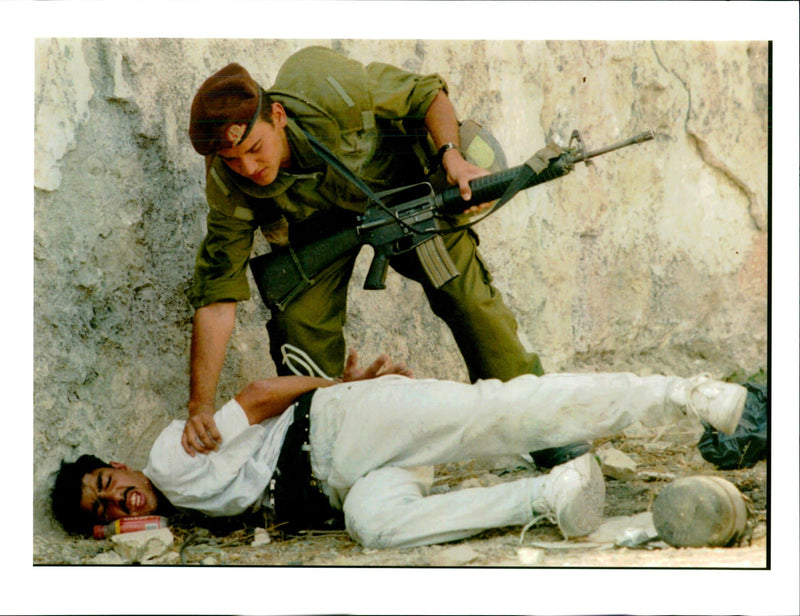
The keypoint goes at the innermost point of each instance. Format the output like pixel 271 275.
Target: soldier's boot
pixel 553 456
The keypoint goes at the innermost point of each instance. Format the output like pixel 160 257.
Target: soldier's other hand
pixel 380 367
pixel 460 172
pixel 200 434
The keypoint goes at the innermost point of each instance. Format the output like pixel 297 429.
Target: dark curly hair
pixel 66 494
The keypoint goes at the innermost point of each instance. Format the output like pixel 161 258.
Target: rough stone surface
pixel 654 259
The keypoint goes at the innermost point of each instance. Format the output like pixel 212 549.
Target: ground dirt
pixel 661 456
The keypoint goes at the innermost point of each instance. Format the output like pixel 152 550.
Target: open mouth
pixel 134 500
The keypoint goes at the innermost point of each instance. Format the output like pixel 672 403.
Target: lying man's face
pixel 117 492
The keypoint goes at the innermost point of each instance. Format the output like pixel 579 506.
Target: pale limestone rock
pixel 530 556
pixel 455 556
pixel 616 464
pixel 261 537
pixel 143 545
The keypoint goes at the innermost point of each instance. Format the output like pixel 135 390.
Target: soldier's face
pixel 265 150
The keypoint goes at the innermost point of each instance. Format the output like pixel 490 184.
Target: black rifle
pixel 412 217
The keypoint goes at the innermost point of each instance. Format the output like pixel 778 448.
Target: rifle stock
pixel 286 272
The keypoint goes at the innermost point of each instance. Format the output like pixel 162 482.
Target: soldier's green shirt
pixel 371 117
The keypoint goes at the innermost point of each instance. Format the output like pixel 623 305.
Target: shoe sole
pixel 733 420
pixel 700 512
pixel 738 396
pixel 584 514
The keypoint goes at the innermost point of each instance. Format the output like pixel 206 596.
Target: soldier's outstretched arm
pixel 212 328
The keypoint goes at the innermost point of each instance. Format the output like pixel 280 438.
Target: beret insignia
pixel 235 133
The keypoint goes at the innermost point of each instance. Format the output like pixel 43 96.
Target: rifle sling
pixel 534 165
pixel 433 255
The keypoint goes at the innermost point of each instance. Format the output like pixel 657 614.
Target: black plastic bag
pixel 748 444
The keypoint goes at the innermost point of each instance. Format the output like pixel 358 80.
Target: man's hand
pixel 460 172
pixel 200 434
pixel 380 367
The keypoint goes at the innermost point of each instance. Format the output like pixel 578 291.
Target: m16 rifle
pixel 412 217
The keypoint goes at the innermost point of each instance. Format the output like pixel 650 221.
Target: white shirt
pixel 224 482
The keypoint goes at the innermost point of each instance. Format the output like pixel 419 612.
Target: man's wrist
pixel 196 408
pixel 447 147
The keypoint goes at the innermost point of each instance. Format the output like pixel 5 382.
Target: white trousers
pixel 368 439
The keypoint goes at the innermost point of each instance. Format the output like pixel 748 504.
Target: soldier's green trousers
pixel 482 325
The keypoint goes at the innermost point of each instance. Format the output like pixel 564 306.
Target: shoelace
pixel 291 355
pixel 549 515
pixel 699 380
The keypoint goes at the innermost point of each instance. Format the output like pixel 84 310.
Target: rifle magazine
pixel 436 261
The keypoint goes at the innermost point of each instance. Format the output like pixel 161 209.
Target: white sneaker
pixel 718 403
pixel 573 497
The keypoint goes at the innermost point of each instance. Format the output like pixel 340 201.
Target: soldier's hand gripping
pixel 460 172
pixel 200 434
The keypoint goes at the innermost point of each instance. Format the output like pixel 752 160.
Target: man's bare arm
pixel 442 123
pixel 270 397
pixel 211 331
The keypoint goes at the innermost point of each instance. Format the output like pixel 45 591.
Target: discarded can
pixel 130 525
pixel 702 511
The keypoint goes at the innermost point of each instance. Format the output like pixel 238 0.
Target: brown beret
pixel 224 109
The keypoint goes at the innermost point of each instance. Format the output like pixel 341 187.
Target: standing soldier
pixel 262 172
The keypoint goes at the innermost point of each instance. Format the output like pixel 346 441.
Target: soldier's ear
pixel 278 115
pixel 118 465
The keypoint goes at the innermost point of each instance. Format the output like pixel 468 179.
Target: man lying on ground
pixel 361 452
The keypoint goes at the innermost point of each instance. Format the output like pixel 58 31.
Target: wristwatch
pixel 440 154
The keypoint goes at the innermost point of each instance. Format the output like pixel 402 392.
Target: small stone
pixel 144 544
pixel 209 561
pixel 454 557
pixel 616 464
pixel 261 537
pixel 530 556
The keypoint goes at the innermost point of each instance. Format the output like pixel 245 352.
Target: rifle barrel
pixel 640 138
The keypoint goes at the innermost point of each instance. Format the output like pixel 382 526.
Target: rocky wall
pixel 654 259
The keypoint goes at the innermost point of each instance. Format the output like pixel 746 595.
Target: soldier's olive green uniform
pixel 371 118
